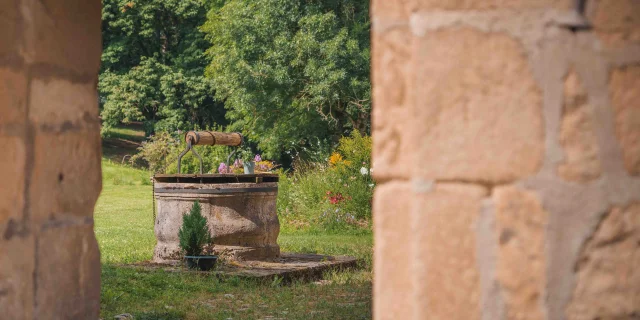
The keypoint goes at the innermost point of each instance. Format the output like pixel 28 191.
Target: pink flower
pixel 223 168
pixel 257 158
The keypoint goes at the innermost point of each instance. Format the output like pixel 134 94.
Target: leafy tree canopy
pixel 294 74
pixel 153 65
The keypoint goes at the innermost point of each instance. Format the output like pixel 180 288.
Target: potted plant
pixel 247 160
pixel 194 235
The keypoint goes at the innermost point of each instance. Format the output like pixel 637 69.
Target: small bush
pixel 194 233
pixel 335 194
pixel 157 150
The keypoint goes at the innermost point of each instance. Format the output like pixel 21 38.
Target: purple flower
pixel 223 168
pixel 257 158
pixel 237 163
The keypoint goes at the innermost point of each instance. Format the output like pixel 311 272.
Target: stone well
pixel 240 211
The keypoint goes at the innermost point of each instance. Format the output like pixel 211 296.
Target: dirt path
pixel 124 141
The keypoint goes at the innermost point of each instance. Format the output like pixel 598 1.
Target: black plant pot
pixel 204 263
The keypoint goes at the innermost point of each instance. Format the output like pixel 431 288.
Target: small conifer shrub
pixel 194 233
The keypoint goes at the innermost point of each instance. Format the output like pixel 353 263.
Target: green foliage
pixel 245 153
pixel 194 233
pixel 153 65
pixel 335 194
pixel 294 74
pixel 356 149
pixel 157 151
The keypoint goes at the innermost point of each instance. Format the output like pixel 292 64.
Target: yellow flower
pixel 335 159
pixel 264 166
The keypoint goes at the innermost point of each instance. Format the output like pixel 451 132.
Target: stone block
pixel 69 267
pixel 402 9
pixel 577 135
pixel 392 10
pixel 520 268
pixel 478 116
pixel 13 97
pixel 16 277
pixel 62 105
pixel 393 281
pixel 392 113
pixel 444 234
pixel 63 37
pixel 10 22
pixel 625 98
pixel 616 23
pixel 66 175
pixel 607 276
pixel 493 4
pixel 12 171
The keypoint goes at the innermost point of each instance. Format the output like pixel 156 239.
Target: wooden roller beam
pixel 211 138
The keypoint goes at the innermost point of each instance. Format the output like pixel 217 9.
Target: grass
pixel 132 132
pixel 124 228
pixel 122 141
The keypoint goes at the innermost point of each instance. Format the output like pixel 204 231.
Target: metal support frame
pixel 235 150
pixel 189 147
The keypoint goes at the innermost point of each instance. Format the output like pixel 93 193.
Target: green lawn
pixel 124 229
pixel 132 132
pixel 122 141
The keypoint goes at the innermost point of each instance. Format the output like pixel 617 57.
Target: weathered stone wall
pixel 49 159
pixel 507 147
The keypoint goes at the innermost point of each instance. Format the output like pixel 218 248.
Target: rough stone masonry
pixel 507 147
pixel 50 173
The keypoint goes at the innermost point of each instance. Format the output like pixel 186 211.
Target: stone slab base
pixel 266 253
pixel 288 266
pixel 168 252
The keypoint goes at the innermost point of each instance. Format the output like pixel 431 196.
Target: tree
pixel 293 73
pixel 153 65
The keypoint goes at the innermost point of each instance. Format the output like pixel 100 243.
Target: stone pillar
pixel 507 147
pixel 49 159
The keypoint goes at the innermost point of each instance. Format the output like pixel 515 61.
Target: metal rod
pixel 229 157
pixel 199 158
pixel 182 154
